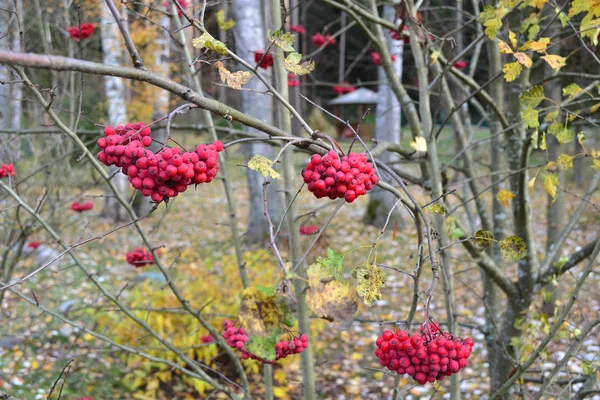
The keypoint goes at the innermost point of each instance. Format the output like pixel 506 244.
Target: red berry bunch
pixel 33 245
pixel 236 338
pixel 461 64
pixel 308 229
pixel 140 257
pixel 377 60
pixel 81 207
pixel 298 29
pixel 182 3
pixel 207 338
pixel 344 88
pixel 404 36
pixel 7 170
pixel 348 178
pixel 82 31
pixel 293 81
pixel 162 175
pixel 263 62
pixel 429 356
pixel 320 40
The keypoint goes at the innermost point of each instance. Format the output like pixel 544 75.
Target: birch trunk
pixel 387 129
pixel 249 34
pixel 116 104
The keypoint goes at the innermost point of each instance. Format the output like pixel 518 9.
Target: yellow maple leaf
pixel 523 59
pixel 206 40
pixel 292 64
pixel 504 197
pixel 234 80
pixel 504 47
pixel 555 61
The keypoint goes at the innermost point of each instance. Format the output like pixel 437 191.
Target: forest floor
pixel 196 245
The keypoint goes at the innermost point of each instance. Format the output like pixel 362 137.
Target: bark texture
pixel 116 105
pixel 249 34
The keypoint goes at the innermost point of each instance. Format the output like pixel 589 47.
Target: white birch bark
pixel 387 128
pixel 249 34
pixel 116 104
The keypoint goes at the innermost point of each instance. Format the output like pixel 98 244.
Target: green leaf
pixel 565 161
pixel 587 369
pixel 513 248
pixel 454 232
pixel 530 118
pixel 533 97
pixel 512 71
pixel 370 280
pixel 264 346
pixel 438 209
pixel 564 19
pixel 492 26
pixel 331 266
pixel 209 42
pixel 284 41
pixel 292 64
pixel 482 239
pixel 561 132
pixel 579 6
pixel 263 165
pixel 224 24
pixel 572 90
pixel 288 308
pixel 534 139
pixel 581 138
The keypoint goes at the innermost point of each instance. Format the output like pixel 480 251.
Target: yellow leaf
pixel 551 116
pixel 524 59
pixel 513 38
pixel 551 184
pixel 419 144
pixel 594 108
pixel 357 356
pixel 280 392
pixel 504 47
pixel 512 71
pixel 537 3
pixel 292 64
pixel 234 80
pixel 209 42
pixel 492 26
pixel 434 57
pixel 531 184
pixel 370 280
pixel 538 45
pixel 581 137
pixel 504 197
pixel 263 165
pixel 285 41
pixel 224 24
pixel 565 161
pixel 555 61
pixel 596 164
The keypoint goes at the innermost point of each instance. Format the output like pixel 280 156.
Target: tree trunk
pixel 160 100
pixel 117 108
pixel 10 110
pixel 249 36
pixel 387 129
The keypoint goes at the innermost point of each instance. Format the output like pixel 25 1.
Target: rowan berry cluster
pixel 81 32
pixel 81 207
pixel 428 356
pixel 348 178
pixel 33 245
pixel 236 339
pixel 162 175
pixel 140 257
pixel 319 40
pixel 265 61
pixel 7 170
